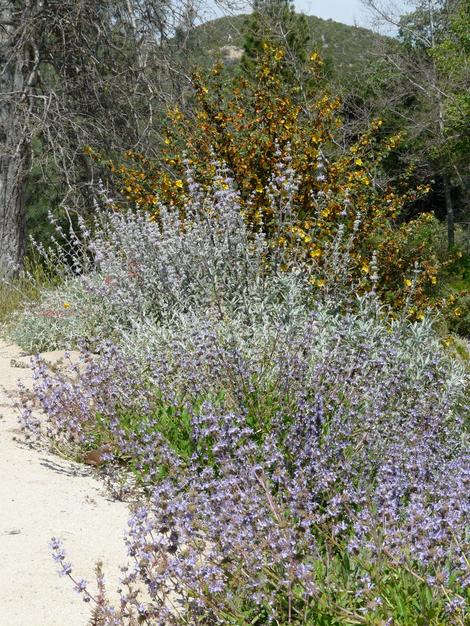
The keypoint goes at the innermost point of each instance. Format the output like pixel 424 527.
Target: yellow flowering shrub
pixel 410 267
pixel 252 125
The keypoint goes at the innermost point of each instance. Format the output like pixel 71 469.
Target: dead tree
pixel 76 73
pixel 19 62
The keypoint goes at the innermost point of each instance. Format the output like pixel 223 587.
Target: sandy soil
pixel 42 496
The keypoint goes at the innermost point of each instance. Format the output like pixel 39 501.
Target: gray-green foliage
pixel 132 271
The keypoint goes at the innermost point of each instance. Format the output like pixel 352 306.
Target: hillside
pixel 348 48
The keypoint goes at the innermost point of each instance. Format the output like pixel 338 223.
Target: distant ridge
pixel 346 47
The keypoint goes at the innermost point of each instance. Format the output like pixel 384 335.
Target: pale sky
pixel 345 11
pixel 350 11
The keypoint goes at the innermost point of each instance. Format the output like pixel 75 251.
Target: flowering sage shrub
pixel 133 274
pixel 300 459
pixel 314 474
pixel 131 270
pixel 296 531
pixel 269 533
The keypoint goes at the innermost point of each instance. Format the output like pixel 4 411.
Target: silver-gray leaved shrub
pixel 131 271
pixel 301 460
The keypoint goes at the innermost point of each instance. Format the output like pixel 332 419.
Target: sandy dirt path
pixel 42 496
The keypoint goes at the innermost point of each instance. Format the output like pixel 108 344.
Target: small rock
pixel 16 363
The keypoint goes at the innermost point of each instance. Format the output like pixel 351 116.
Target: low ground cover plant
pixel 348 505
pixel 24 289
pixel 301 457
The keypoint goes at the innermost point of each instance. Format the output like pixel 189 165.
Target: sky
pixel 345 11
pixel 348 11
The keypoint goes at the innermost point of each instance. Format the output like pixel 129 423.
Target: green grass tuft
pixel 16 293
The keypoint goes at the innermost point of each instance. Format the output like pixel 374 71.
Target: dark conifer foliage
pixel 275 22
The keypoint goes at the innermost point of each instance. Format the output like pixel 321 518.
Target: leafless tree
pixel 76 73
pixel 419 80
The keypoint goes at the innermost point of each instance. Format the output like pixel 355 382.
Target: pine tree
pixel 275 22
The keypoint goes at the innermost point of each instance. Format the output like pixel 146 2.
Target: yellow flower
pixel 408 282
pixel 358 162
pixel 315 253
pixel 179 183
pixel 458 312
pixel 433 280
pixel 66 305
pixel 365 268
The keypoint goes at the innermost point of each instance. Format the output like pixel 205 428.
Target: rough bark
pixel 14 144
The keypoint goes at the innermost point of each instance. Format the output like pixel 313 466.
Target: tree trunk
pixel 14 145
pixel 449 213
pixel 13 171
